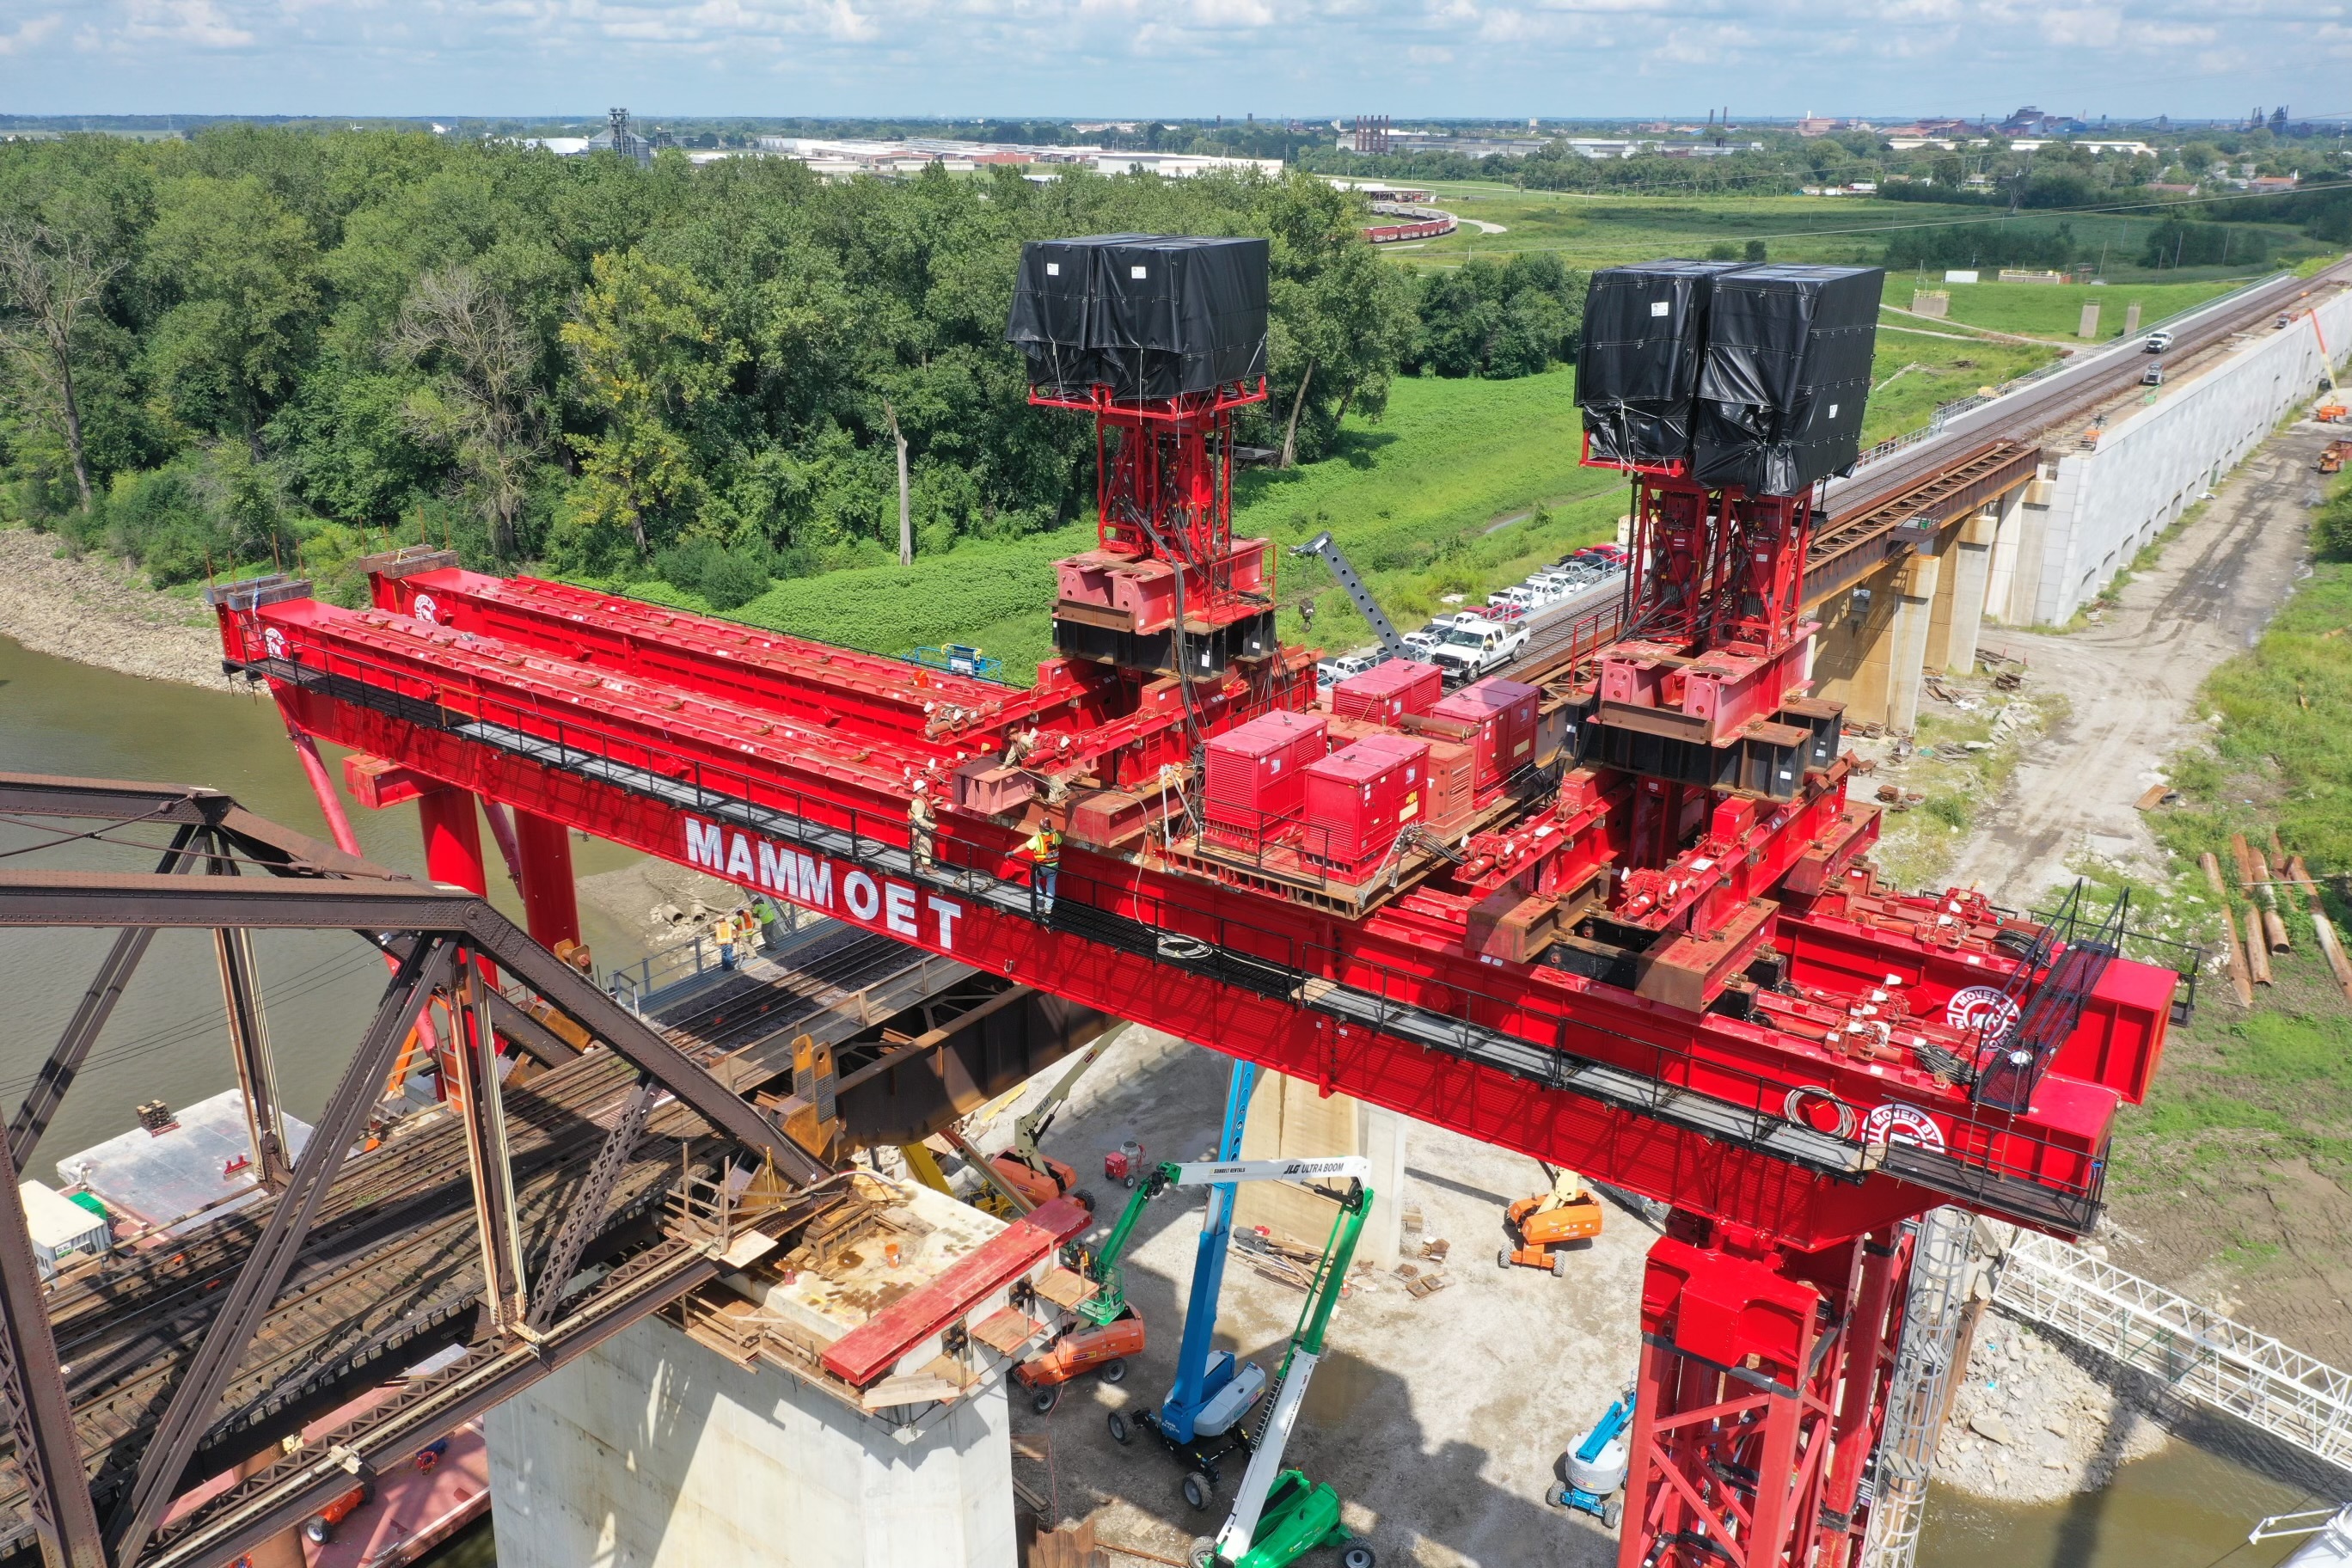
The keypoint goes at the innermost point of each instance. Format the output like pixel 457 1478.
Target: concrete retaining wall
pixel 2077 530
pixel 651 1452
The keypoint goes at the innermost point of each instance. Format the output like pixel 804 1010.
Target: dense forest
pixel 279 344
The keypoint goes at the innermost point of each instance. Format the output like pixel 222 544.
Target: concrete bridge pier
pixel 654 1451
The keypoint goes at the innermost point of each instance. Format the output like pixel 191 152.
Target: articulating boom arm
pixel 1323 544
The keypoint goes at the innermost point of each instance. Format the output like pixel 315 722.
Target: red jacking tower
pixel 1619 917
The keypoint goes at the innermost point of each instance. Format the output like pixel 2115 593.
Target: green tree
pixel 48 282
pixel 478 401
pixel 240 271
pixel 649 356
pixel 1340 316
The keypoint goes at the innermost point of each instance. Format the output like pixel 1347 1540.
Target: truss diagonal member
pixel 587 1214
pixel 88 1020
pixel 197 1397
pixel 33 1388
pixel 248 1037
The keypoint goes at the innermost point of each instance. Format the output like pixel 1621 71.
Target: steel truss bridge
pixel 550 1213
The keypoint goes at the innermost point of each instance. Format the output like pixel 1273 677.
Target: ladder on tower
pixel 2201 1355
pixel 1942 1264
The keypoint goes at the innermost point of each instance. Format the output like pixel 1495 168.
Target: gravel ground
pixel 1439 1419
pixel 98 611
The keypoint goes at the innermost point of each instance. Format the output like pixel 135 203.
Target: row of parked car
pixel 1467 643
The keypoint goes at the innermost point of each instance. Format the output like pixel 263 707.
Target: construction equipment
pixel 1670 962
pixel 1216 1418
pixel 1040 1179
pixel 1596 1466
pixel 1278 1514
pixel 1324 545
pixel 1104 1347
pixel 1570 1211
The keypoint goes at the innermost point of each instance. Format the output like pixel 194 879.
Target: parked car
pixel 1470 648
pixel 2156 342
pixel 2155 376
pixel 1329 672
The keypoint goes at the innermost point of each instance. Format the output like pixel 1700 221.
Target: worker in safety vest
pixel 1045 850
pixel 723 933
pixel 747 932
pixel 763 911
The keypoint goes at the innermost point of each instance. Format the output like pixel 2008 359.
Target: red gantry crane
pixel 1623 923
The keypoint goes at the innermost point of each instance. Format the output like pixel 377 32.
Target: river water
pixel 2187 1507
pixel 166 1039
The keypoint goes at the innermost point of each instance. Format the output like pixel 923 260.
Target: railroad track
pixel 402 1212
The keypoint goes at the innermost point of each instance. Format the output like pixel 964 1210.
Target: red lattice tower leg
pixel 1761 1395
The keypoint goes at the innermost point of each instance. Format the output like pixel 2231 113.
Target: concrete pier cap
pixel 837 1401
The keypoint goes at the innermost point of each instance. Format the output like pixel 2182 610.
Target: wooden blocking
pixel 1689 971
pixel 1071 1546
pixel 1509 928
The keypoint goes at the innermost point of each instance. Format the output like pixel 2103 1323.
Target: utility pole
pixel 906 524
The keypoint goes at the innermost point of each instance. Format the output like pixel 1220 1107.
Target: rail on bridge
pixel 560 1201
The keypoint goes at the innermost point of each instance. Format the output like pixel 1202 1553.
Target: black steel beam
pixel 33 1387
pixel 108 899
pixel 197 1395
pixel 586 1217
pixel 473 1055
pixel 127 801
pixel 544 1044
pixel 48 1090
pixel 248 1039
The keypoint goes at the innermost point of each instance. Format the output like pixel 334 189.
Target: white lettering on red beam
pixel 807 880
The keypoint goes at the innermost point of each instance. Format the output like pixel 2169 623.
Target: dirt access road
pixel 2131 680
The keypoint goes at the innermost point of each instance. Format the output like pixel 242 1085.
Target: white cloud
pixel 28 33
pixel 199 22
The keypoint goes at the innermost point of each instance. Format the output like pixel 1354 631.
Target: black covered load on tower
pixel 1644 344
pixel 1148 316
pixel 1743 377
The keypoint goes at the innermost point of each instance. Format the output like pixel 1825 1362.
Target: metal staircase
pixel 1940 1268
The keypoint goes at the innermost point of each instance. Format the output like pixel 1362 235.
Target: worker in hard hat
pixel 722 932
pixel 1045 851
pixel 920 825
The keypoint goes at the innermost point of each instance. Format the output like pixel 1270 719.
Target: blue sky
pixel 1131 57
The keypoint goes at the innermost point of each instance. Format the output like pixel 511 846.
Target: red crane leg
pixel 453 839
pixel 453 844
pixel 1760 1398
pixel 550 901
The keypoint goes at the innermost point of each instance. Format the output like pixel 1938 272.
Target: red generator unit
pixel 1505 714
pixel 1452 795
pixel 1357 799
pixel 1257 777
pixel 1388 693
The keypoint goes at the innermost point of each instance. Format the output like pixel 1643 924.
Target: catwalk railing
pixel 2201 1355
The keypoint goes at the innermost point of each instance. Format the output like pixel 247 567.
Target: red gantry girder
pixel 1656 952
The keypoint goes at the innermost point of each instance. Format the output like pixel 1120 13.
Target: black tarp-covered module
pixel 1637 372
pixel 1148 316
pixel 1787 376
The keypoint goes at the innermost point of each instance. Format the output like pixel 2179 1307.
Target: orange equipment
pixel 1087 1347
pixel 2331 458
pixel 1567 1213
pixel 320 1528
pixel 1059 1180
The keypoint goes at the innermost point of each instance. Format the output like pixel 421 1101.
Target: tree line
pixel 291 345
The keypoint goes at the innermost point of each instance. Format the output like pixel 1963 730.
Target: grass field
pixel 1606 230
pixel 2056 310
pixel 1415 500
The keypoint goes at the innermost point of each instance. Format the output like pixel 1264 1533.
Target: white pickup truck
pixel 1471 647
